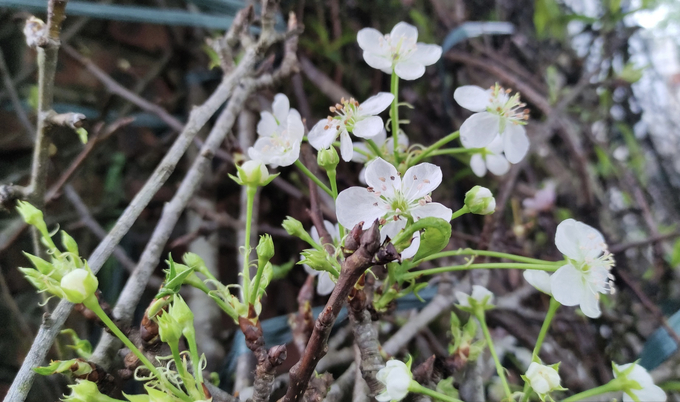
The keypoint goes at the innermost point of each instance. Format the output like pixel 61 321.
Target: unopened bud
pixel 328 159
pixel 265 250
pixel 253 173
pixel 181 312
pixel 480 201
pixel 69 243
pixel 169 329
pixel 79 284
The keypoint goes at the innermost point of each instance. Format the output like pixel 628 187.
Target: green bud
pixel 253 173
pixel 169 329
pixel 328 159
pixel 30 214
pixel 79 285
pixel 83 347
pixel 265 250
pixel 181 312
pixel 69 243
pixel 195 262
pixel 294 228
pixel 317 260
pixel 43 283
pixel 480 201
pixel 87 391
pixel 43 266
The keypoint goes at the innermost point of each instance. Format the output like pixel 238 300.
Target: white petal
pixel 420 180
pixel 478 165
pixel 325 285
pixel 280 107
pixel 533 368
pixel 383 177
pixel 651 393
pixel 309 270
pixel 567 285
pixel 369 40
pixel 405 30
pixel 321 138
pixel 356 205
pixel 591 241
pixel 540 385
pixel 409 70
pixel 359 156
pixel 411 250
pixel 431 209
pixel 346 148
pixel 375 104
pixel 380 138
pixel 463 298
pixel 480 293
pixel 472 97
pixel 315 234
pixel 383 397
pixel 333 230
pixel 497 164
pixel 377 61
pixel 295 128
pixel 590 304
pixel 567 239
pixel 538 279
pixel 368 127
pixel 479 130
pixel 267 124
pixel 496 146
pixel 515 142
pixel 289 157
pixel 426 54
pixel 391 229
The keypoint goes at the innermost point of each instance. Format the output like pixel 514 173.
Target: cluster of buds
pixel 463 348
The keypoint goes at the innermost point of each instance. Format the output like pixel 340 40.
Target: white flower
pixel 359 119
pixel 480 296
pixel 384 144
pixel 586 273
pixel 79 284
pixel 538 279
pixel 325 285
pixel 490 158
pixel 253 173
pixel 397 377
pixel 543 200
pixel 280 135
pixel 398 51
pixel 543 379
pixel 391 198
pixel 497 113
pixel 649 392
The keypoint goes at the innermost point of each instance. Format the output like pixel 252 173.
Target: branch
pixel 366 339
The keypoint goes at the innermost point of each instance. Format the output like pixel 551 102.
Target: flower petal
pixel 359 156
pixel 409 70
pixel 651 393
pixel 479 130
pixel 391 229
pixel 280 107
pixel 479 293
pixel 421 180
pixel 478 165
pixel 497 164
pixel 472 97
pixel 369 40
pixel 411 250
pixel 295 127
pixel 322 138
pixel 356 205
pixel 267 124
pixel 590 304
pixel 463 298
pixel 403 30
pixel 567 285
pixel 375 104
pixel 515 142
pixel 568 239
pixel 346 148
pixel 368 127
pixel 383 177
pixel 377 61
pixel 431 209
pixel 325 285
pixel 426 54
pixel 538 279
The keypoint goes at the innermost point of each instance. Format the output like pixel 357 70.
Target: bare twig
pixel 14 98
pixel 325 84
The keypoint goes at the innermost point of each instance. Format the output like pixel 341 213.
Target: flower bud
pixel 265 250
pixel 397 377
pixel 328 159
pixel 195 262
pixel 543 379
pixel 316 259
pixel 87 391
pixel 294 228
pixel 79 284
pixel 43 266
pixel 480 201
pixel 253 173
pixel 168 328
pixel 480 297
pixel 181 312
pixel 69 243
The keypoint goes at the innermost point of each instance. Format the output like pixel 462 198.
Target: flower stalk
pixel 493 265
pixel 552 309
pixel 394 116
pixel 479 314
pixel 427 151
pixel 419 389
pixel 250 200
pixel 313 177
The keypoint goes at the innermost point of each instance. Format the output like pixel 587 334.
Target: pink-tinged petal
pixel 267 125
pixel 426 54
pixel 567 285
pixel 391 229
pixel 409 70
pixel 497 164
pixel 375 104
pixel 369 40
pixel 346 148
pixel 403 30
pixel 378 62
pixel 515 142
pixel 411 250
pixel 280 107
pixel 322 138
pixel 431 209
pixel 590 304
pixel 325 285
pixel 296 130
pixel 478 165
pixel 382 177
pixel 368 127
pixel 538 279
pixel 567 239
pixel 472 97
pixel 421 180
pixel 479 130
pixel 356 205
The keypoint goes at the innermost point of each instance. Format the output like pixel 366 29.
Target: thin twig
pixel 14 98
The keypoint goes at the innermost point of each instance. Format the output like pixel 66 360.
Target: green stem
pixel 93 304
pixel 315 179
pixel 554 305
pixel 394 115
pixel 245 289
pixel 612 386
pixel 493 265
pixel 334 184
pixel 486 253
pixel 419 389
pixel 426 152
pixel 499 368
pixel 375 148
pixel 460 212
pixel 454 151
pixel 195 360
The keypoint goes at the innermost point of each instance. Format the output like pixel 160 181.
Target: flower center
pixel 597 273
pixel 398 48
pixel 506 106
pixel 345 114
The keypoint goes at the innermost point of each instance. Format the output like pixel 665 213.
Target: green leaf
pixel 675 256
pixel 630 74
pixel 446 387
pixel 435 235
pixel 281 271
pixel 82 134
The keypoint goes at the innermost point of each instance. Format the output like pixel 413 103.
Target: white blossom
pixel 497 113
pixel 649 391
pixel 325 284
pixel 397 377
pixel 538 279
pixel 586 273
pixel 543 200
pixel 351 116
pixel 480 296
pixel 491 158
pixel 543 379
pixel 280 132
pixel 398 51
